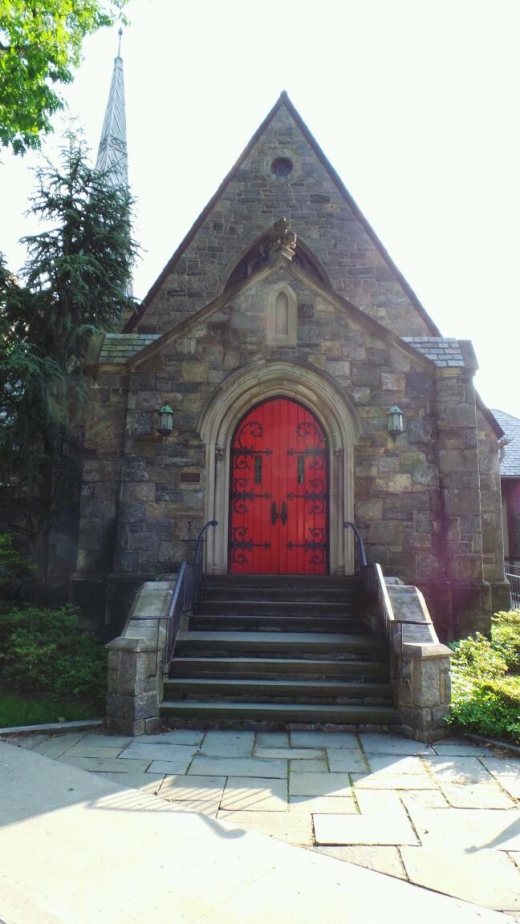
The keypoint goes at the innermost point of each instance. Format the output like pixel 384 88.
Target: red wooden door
pixel 279 492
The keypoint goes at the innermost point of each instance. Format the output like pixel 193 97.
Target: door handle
pixel 274 514
pixel 283 513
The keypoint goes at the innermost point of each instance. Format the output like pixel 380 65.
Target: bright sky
pixel 414 102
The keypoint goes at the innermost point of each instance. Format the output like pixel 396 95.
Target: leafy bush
pixel 45 651
pixel 14 568
pixel 506 638
pixel 485 696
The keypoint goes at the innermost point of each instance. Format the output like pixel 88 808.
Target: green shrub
pixel 485 697
pixel 506 638
pixel 14 570
pixel 45 651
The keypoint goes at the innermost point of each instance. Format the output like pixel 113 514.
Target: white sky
pixel 414 102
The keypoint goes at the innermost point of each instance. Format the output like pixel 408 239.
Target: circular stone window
pixel 282 166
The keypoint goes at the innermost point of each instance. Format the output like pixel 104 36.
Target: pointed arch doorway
pixel 329 404
pixel 279 491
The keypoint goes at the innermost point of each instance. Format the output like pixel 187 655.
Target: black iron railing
pixel 184 594
pixel 512 572
pixel 360 559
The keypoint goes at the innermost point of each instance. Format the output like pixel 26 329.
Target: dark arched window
pixel 258 256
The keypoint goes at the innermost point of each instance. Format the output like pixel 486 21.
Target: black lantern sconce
pixel 165 427
pixel 395 421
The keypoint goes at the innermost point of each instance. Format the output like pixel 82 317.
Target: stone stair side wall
pixel 135 662
pixel 420 664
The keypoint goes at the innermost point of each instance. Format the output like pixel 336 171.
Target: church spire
pixel 112 152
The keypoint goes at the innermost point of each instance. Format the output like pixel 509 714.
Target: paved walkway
pixel 445 817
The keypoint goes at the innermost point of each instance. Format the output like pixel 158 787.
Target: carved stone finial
pixel 282 239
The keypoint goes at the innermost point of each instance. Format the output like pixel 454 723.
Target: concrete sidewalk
pixel 77 844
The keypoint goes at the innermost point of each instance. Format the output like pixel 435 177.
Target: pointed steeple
pixel 112 151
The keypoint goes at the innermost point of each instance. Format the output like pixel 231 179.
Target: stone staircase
pixel 278 651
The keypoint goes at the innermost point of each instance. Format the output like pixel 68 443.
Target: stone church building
pixel 309 387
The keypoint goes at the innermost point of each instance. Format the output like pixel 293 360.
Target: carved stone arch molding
pixel 342 426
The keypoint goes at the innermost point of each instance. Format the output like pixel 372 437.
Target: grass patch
pixel 486 681
pixel 19 710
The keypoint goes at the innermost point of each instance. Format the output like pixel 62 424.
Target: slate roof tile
pixel 117 348
pixel 510 464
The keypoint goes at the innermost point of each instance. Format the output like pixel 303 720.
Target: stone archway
pixel 341 424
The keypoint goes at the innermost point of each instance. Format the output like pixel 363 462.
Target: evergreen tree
pixel 73 285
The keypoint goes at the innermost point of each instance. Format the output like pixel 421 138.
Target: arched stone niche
pixel 342 426
pixel 282 316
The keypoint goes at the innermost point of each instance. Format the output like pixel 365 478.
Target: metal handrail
pixel 512 574
pixel 360 558
pixel 184 594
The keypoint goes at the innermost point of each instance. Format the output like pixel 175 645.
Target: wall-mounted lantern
pixel 165 420
pixel 395 421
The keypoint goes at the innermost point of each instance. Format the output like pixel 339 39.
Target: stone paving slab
pixel 272 739
pixel 237 766
pixel 144 782
pixel 346 761
pixel 392 744
pixel 320 784
pixel 96 740
pixel 325 805
pixel 380 763
pixel 204 807
pixel 244 794
pixel 106 764
pixel 505 772
pixel 423 799
pixel 228 743
pixel 309 739
pixel 294 829
pixel 58 745
pixel 472 830
pixel 477 795
pixel 198 788
pixel 178 736
pixel 290 753
pixel 142 750
pixel 309 766
pixel 461 749
pixel 379 830
pixel 82 750
pixel 379 802
pixel 458 769
pixel 392 781
pixel 169 767
pixel 382 859
pixel 488 879
pixel 28 742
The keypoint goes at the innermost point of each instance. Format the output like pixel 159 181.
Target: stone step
pixel 266 622
pixel 276 607
pixel 278 715
pixel 244 668
pixel 314 593
pixel 331 645
pixel 280 580
pixel 281 691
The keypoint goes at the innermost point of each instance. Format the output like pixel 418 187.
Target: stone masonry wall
pixel 103 454
pixel 491 506
pixel 255 198
pixel 396 484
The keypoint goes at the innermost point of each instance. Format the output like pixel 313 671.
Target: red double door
pixel 279 492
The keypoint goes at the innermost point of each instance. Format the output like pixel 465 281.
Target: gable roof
pixel 510 461
pixel 135 348
pixel 284 101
